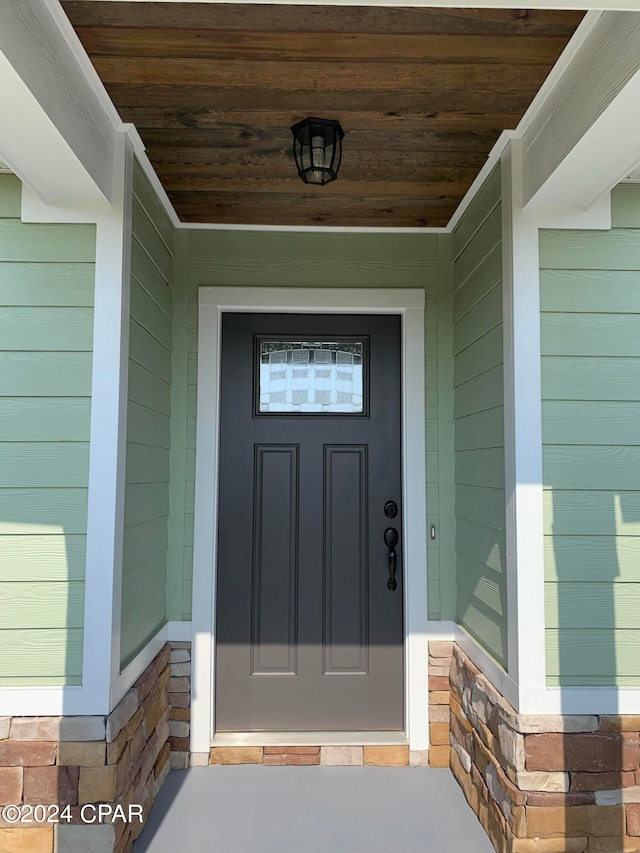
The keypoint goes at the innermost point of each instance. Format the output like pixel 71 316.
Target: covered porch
pixel 164 618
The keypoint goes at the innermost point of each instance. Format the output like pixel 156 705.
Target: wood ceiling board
pixel 213 158
pixel 320 47
pixel 165 118
pixel 272 138
pixel 343 187
pixel 422 95
pixel 343 19
pixel 241 209
pixel 218 177
pixel 186 98
pixel 323 76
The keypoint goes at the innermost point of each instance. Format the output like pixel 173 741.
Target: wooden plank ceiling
pixel 422 95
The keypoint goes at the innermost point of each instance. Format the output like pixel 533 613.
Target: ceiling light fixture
pixel 317 149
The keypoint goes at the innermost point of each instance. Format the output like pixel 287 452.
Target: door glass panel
pixel 311 377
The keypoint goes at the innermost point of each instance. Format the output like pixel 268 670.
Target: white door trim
pixel 409 304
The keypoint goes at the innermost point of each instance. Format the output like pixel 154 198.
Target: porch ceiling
pixel 422 95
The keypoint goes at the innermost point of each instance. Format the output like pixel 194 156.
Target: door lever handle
pixel 391 538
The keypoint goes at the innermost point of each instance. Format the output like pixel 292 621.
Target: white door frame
pixel 409 304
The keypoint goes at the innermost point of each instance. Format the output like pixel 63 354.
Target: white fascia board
pixel 52 102
pixel 585 137
pixel 603 157
pixel 36 151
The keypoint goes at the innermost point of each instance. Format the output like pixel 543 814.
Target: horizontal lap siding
pixel 46 329
pixel 279 259
pixel 479 422
pixel 590 335
pixel 146 510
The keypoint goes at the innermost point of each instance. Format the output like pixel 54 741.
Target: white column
pixel 523 436
pixel 103 583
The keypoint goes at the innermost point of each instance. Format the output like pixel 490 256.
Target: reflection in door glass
pixel 311 377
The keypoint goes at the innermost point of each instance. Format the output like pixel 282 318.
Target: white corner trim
pixel 152 177
pixel 213 302
pixel 109 387
pixel 493 159
pixel 523 435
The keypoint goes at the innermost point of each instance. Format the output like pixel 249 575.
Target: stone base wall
pixel 440 656
pixel 544 784
pixel 77 761
pixel 180 704
pixel 278 756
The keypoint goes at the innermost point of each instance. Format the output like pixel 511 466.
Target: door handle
pixel 391 540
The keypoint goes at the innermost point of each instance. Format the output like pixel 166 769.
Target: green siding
pixel 46 321
pixel 226 258
pixel 590 336
pixel 478 412
pixel 146 509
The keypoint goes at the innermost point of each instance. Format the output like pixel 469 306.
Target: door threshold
pixel 309 739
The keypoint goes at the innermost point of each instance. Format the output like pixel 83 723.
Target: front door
pixel 309 621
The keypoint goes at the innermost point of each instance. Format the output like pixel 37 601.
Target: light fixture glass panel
pixel 311 377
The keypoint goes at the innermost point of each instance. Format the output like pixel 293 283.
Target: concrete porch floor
pixel 250 809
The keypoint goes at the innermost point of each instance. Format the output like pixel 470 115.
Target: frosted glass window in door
pixel 311 377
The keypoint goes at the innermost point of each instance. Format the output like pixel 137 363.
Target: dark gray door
pixel 309 634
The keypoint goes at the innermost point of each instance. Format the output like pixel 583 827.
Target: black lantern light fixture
pixel 317 149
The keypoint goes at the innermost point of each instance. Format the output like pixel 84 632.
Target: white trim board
pixel 538 699
pixel 632 5
pixel 88 701
pixel 409 304
pixel 170 631
pixel 522 435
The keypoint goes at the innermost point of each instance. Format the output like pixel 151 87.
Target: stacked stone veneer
pixel 180 704
pixel 74 761
pixel 278 756
pixel 440 657
pixel 552 784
